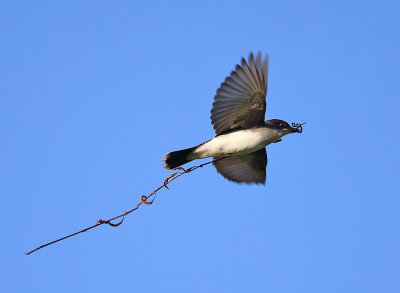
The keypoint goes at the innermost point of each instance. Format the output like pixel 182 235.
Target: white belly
pixel 237 143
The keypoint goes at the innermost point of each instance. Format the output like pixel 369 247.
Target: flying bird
pixel 238 115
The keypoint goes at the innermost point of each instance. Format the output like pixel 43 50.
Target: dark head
pixel 281 125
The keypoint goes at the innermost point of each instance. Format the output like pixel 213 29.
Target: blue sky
pixel 94 93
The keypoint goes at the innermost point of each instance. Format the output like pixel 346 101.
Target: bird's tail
pixel 177 158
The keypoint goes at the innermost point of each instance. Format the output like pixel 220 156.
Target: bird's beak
pixel 298 130
pixel 294 129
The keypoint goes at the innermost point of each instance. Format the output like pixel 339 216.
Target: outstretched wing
pixel 248 168
pixel 240 100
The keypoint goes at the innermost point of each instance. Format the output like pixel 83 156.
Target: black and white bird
pixel 237 116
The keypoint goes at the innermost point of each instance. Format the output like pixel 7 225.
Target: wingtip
pixel 251 56
pixel 257 55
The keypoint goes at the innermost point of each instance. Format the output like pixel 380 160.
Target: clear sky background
pixel 94 93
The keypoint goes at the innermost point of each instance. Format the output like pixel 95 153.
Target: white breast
pixel 237 142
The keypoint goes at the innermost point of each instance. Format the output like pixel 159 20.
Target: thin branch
pixel 143 200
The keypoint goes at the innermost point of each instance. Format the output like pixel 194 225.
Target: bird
pixel 241 132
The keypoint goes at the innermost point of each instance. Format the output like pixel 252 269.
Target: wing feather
pixel 248 168
pixel 240 100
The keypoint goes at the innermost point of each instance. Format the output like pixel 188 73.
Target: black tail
pixel 177 158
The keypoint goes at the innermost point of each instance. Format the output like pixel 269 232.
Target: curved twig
pixel 299 126
pixel 143 200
